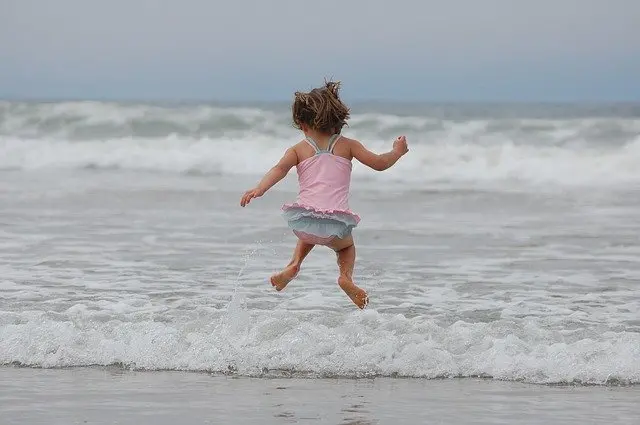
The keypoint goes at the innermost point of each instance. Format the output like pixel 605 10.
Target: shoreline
pixel 112 395
pixel 304 376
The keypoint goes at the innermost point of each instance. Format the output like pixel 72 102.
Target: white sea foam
pixel 225 140
pixel 353 345
pixel 437 161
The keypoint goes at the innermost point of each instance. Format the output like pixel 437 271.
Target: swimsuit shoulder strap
pixel 313 144
pixel 332 142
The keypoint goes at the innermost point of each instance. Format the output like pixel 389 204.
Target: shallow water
pixel 168 272
pixel 505 246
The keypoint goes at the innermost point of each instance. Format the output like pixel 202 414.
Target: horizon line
pixel 388 101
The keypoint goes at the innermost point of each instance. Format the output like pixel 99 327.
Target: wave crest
pixel 355 345
pixel 209 139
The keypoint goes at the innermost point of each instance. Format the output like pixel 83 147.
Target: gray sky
pixel 266 49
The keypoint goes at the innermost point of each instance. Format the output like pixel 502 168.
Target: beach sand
pixel 115 396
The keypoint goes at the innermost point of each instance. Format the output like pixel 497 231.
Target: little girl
pixel 321 214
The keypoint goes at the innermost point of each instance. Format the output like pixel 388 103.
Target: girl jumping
pixel 321 215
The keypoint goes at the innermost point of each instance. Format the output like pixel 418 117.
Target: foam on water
pixel 439 161
pixel 133 334
pixel 601 151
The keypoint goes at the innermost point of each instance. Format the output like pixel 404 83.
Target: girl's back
pixel 324 176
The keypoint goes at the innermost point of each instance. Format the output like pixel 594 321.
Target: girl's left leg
pixel 281 279
pixel 346 251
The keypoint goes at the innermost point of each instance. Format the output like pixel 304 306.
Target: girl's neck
pixel 317 135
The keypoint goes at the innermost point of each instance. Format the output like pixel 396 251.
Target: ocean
pixel 501 256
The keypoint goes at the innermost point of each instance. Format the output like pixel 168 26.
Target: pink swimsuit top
pixel 324 179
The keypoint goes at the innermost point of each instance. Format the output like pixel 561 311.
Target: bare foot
pixel 357 295
pixel 280 280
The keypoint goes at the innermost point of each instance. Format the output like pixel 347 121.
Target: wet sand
pixel 115 396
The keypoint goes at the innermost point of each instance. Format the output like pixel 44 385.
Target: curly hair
pixel 321 109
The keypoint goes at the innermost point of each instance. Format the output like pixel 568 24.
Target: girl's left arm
pixel 273 176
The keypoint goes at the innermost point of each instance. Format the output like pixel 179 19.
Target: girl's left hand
pixel 249 195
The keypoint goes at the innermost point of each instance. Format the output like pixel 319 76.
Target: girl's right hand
pixel 400 145
pixel 249 195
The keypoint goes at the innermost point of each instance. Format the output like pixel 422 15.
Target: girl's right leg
pixel 346 251
pixel 282 279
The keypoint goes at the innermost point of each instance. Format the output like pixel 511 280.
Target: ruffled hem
pixel 323 228
pixel 345 216
pixel 322 224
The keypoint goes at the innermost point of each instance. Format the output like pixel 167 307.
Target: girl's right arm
pixel 273 176
pixel 379 162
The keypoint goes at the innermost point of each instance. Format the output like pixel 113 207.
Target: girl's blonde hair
pixel 321 109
